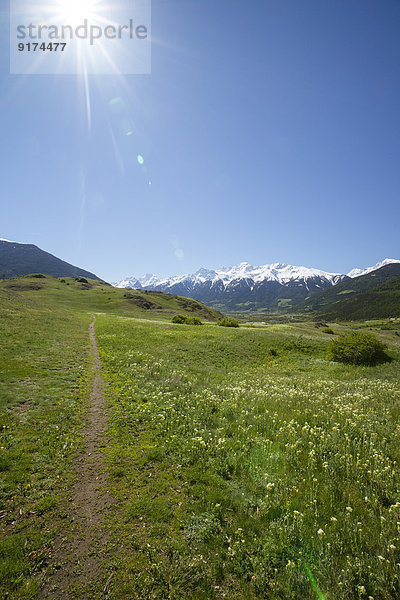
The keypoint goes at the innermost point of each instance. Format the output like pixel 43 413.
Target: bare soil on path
pixel 78 550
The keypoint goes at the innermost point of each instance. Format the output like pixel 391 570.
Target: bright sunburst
pixel 75 11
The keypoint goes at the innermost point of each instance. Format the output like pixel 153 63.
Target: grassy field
pixel 243 464
pixel 246 475
pixel 44 375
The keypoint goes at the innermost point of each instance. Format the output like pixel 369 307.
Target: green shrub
pixel 228 322
pixel 357 348
pixel 180 319
pixel 194 321
pixel 184 320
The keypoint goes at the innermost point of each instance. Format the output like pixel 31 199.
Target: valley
pixel 238 463
pixel 276 288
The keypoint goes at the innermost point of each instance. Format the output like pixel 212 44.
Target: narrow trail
pixel 78 550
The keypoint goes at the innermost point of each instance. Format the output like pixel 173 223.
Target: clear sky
pixel 269 131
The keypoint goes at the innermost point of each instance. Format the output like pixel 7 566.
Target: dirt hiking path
pixel 78 551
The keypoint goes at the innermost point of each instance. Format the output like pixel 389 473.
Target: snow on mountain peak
pixel 279 272
pixel 9 241
pixel 358 272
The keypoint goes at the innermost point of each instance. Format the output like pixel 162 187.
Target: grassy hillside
pixel 91 295
pixel 242 463
pixel 349 289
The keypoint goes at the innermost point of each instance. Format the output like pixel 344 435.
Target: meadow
pixel 246 473
pixel 243 463
pixel 44 379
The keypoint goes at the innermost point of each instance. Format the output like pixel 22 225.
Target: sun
pixel 76 11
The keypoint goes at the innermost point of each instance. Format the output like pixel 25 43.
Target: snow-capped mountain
pixel 358 272
pixel 278 272
pixel 9 241
pixel 242 286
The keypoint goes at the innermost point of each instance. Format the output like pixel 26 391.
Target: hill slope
pixel 95 295
pixel 323 301
pixel 379 303
pixel 22 259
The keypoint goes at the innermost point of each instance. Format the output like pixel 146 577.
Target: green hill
pixel 92 295
pixel 379 303
pixel 347 292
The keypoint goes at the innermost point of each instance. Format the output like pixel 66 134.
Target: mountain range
pixel 379 302
pixel 374 292
pixel 361 293
pixel 245 287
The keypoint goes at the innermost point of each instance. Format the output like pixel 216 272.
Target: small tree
pixel 357 348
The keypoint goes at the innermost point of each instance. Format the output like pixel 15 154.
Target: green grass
pixel 43 380
pixel 249 475
pixel 244 464
pixel 97 296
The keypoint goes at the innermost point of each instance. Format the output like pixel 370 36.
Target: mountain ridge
pixel 244 287
pixel 380 302
pixel 18 258
pixel 358 272
pixel 280 272
pixel 344 298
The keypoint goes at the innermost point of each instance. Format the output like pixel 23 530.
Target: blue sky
pixel 269 132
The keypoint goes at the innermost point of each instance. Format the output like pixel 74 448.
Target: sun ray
pixel 87 100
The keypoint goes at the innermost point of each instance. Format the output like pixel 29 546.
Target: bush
pixel 357 348
pixel 181 319
pixel 328 330
pixel 194 321
pixel 228 322
pixel 184 320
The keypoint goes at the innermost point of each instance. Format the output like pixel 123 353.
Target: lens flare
pixel 314 585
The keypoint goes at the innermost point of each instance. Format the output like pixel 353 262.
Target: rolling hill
pixel 95 295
